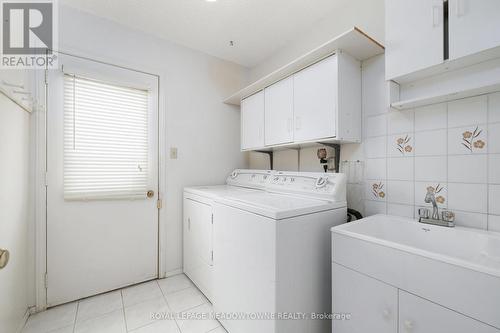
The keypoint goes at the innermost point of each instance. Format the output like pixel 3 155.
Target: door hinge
pixel 46 281
pixel 159 203
pixel 212 218
pixel 46 180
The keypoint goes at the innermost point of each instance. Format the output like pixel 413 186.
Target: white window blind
pixel 106 140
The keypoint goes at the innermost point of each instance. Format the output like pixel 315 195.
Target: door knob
pixel 150 193
pixel 4 258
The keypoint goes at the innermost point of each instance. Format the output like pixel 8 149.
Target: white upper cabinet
pixel 279 112
pixel 315 100
pixel 414 35
pixel 252 121
pixel 474 26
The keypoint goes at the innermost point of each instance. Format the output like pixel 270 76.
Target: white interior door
pixel 474 26
pixel 102 158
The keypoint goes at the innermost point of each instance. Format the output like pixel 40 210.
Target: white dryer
pixel 198 220
pixel 272 254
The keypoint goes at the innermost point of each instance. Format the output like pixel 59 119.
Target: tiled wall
pixel 453 147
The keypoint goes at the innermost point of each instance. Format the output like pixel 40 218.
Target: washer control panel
pixel 249 178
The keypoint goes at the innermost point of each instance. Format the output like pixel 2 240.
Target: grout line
pixel 123 310
pixel 76 315
pixel 168 306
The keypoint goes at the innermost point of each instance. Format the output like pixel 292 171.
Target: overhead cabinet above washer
pixel 321 102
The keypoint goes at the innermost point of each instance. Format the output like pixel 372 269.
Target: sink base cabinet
pixel 377 307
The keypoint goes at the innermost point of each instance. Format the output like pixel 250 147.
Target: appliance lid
pixel 278 206
pixel 216 191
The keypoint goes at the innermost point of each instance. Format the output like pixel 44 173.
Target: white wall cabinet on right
pixel 474 26
pixel 414 35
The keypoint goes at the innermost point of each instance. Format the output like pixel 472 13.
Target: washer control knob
pixel 234 174
pixel 321 182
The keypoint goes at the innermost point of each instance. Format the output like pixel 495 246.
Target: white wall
pixel 193 85
pixel 367 15
pixel 14 213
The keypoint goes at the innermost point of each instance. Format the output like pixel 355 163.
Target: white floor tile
pixel 174 284
pixel 198 320
pixel 142 314
pixel 99 305
pixel 141 293
pixel 185 299
pixel 67 329
pixel 160 326
pixel 52 319
pixel 113 322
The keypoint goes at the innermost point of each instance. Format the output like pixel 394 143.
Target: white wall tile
pixel 375 207
pixel 400 192
pixel 376 147
pixel 355 196
pixel 468 197
pixel 494 108
pixel 400 168
pixel 375 126
pixel 400 210
pixel 441 194
pixel 400 122
pixel 468 111
pixel 431 117
pixel 468 168
pixel 376 168
pixel 432 168
pixel 494 223
pixel 476 137
pixel 494 169
pixel 400 145
pixel 494 138
pixel 471 220
pixel 376 190
pixel 430 143
pixel 494 199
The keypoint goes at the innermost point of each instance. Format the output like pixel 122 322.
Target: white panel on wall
pixel 468 197
pixel 471 220
pixel 494 169
pixel 400 192
pixel 494 138
pixel 468 111
pixel 494 108
pixel 375 126
pixel 400 122
pixel 400 168
pixel 432 168
pixel 430 143
pixel 468 169
pixel 494 199
pixel 494 223
pixel 431 117
pixel 375 147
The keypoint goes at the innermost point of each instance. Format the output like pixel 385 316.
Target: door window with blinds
pixel 106 140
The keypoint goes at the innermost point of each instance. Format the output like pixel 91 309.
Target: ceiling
pixel 258 27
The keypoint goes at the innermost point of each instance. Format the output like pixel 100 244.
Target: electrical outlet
pixel 173 153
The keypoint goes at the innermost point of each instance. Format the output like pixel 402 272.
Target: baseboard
pixel 172 273
pixel 24 320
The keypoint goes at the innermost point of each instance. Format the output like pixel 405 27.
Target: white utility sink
pixel 458 268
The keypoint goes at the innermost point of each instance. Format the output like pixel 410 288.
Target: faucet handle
pixel 423 213
pixel 448 216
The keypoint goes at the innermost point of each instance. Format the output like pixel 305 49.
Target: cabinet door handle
pixel 297 123
pixel 436 16
pixel 189 224
pixel 408 325
pixel 460 8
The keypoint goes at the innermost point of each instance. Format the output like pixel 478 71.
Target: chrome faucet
pixel 447 218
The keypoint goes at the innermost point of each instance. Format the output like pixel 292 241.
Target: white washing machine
pixel 198 221
pixel 272 253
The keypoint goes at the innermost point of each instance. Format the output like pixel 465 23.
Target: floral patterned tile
pixel 467 140
pixel 400 145
pixel 376 190
pixel 439 190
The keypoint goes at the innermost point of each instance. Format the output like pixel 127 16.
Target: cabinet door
pixel 474 26
pixel 315 101
pixel 371 304
pixel 414 35
pixel 279 112
pixel 252 121
pixel 417 315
